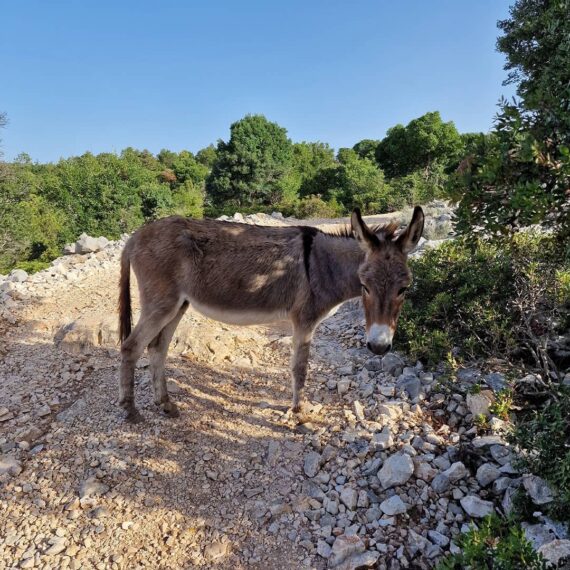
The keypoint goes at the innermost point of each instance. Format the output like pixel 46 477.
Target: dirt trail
pixel 95 492
pixel 235 482
pixel 180 492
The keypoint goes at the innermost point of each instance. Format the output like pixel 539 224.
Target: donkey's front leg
pixel 302 337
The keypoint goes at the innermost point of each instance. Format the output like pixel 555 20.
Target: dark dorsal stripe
pixel 308 233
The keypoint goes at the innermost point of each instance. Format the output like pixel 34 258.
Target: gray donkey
pixel 242 274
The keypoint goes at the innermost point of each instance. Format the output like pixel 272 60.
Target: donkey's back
pixel 232 272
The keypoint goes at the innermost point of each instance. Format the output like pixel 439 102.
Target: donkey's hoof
pixel 134 416
pixel 170 409
pixel 297 408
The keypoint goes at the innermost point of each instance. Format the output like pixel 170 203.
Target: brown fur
pixel 237 272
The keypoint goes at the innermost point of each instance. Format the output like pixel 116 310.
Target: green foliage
pixel 536 43
pixel 418 187
pixel 366 148
pixel 503 404
pixel 186 167
pixel 207 156
pixel 316 207
pixel 521 175
pixel 188 201
pixel 250 166
pixel 360 184
pixel 497 544
pixel 312 168
pixel 468 297
pixel 481 422
pixel 32 266
pixel 519 178
pixel 542 437
pixel 156 199
pixel 43 206
pixel 418 145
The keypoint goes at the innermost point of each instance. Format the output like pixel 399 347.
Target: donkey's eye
pixel 365 288
pixel 402 291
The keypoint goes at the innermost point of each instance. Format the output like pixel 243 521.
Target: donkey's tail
pixel 125 313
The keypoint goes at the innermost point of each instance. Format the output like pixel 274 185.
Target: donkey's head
pixel 384 276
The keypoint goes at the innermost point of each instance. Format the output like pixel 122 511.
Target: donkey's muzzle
pixel 378 348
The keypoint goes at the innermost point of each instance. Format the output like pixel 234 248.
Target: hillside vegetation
pixel 43 206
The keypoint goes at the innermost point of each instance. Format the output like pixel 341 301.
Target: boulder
pixel 538 534
pixel 312 464
pixel 496 381
pixel 480 403
pixel 9 464
pixel 18 276
pixel 392 364
pixel 410 384
pixel 476 507
pixel 69 249
pixel 397 469
pixel 486 474
pixel 556 552
pixel 537 489
pixel 87 244
pixel 349 497
pixel 382 440
pixel 456 472
pixel 393 506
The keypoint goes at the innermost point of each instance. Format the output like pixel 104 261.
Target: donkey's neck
pixel 334 268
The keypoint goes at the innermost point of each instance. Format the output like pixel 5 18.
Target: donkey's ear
pixel 412 234
pixel 361 231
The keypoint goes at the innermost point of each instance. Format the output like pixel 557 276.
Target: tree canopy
pixel 422 142
pixel 249 167
pixel 521 174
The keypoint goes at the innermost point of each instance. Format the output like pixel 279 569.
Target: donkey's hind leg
pixel 302 336
pixel 149 325
pixel 157 351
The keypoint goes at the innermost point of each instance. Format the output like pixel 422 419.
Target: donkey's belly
pixel 237 316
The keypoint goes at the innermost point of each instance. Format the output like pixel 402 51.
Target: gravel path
pixel 383 470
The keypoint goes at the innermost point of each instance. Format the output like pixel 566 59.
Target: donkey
pixel 245 275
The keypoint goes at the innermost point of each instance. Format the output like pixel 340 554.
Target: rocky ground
pixel 383 470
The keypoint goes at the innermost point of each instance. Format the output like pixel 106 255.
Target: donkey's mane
pixel 387 231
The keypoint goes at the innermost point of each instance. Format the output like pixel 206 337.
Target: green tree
pixel 523 175
pixel 360 183
pixel 188 200
pixel 207 156
pixel 166 157
pixel 156 200
pixel 186 167
pixel 536 43
pixel 423 142
pixel 366 148
pixel 307 162
pixel 250 167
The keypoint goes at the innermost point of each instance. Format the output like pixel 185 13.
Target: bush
pixel 497 544
pixel 543 438
pixel 316 207
pixel 418 187
pixel 486 299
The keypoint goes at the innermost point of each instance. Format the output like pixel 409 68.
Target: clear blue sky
pixel 100 76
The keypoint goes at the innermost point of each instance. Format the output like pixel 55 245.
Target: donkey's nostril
pixel 378 348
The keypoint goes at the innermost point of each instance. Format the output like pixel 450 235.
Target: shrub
pixel 188 200
pixel 498 544
pixel 418 187
pixel 470 297
pixel 543 438
pixel 316 207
